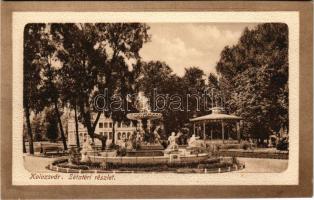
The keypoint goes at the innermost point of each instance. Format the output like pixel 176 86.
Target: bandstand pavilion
pixel 217 116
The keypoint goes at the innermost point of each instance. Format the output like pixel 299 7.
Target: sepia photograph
pixel 119 102
pixel 155 97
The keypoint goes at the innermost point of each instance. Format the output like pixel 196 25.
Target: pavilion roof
pixel 215 116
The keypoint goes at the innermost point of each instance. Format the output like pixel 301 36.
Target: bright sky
pixel 183 45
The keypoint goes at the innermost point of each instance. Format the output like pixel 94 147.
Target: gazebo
pixel 217 115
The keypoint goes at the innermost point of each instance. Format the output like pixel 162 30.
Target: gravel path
pixel 37 164
pixel 262 165
pixel 252 165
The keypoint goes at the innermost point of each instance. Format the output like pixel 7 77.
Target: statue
pixel 147 137
pixel 172 141
pixel 156 135
pixel 136 139
pixel 74 156
pixel 86 148
pixel 193 141
pixel 139 137
pixel 122 141
pixel 129 144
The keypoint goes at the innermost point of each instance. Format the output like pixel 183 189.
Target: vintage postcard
pixel 177 98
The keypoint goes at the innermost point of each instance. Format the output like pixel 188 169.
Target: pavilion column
pixel 148 125
pixel 223 131
pixel 238 131
pixel 204 132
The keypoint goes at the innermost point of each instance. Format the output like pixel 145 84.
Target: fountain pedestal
pixel 147 150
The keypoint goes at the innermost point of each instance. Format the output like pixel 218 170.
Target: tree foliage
pixel 31 72
pixel 95 57
pixel 67 65
pixel 156 78
pixel 254 78
pixel 51 124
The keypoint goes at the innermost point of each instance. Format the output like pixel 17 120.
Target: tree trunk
pixel 29 131
pixel 24 147
pixel 60 126
pixel 96 122
pixel 113 131
pixel 91 127
pixel 103 140
pixel 76 127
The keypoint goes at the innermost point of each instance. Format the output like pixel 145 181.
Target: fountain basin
pixel 209 165
pixel 144 115
pixel 143 153
pixel 154 160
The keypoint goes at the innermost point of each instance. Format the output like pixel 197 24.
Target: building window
pixel 129 134
pixel 119 135
pixel 101 125
pixel 100 133
pixel 110 135
pixel 105 125
pixel 110 124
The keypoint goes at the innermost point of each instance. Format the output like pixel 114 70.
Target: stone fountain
pixel 149 155
pixel 148 140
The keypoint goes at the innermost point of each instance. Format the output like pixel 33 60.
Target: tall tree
pixel 194 86
pixel 254 76
pixel 32 79
pixel 125 40
pixel 37 126
pixel 94 58
pixel 179 94
pixel 51 125
pixel 155 78
pixel 50 75
pixel 213 81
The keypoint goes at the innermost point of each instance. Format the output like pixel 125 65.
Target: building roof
pixel 215 116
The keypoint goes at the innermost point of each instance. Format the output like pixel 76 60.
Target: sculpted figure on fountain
pixel 156 135
pixel 172 141
pixel 86 148
pixel 195 142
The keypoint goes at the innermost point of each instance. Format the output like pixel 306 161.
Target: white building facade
pixel 104 127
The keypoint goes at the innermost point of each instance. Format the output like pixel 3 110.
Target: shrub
pixel 66 165
pixel 121 152
pixel 283 144
pixel 164 143
pixel 60 161
pixel 74 155
pixel 235 161
pixel 113 146
pixel 246 145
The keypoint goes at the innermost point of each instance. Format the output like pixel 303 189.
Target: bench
pixel 51 149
